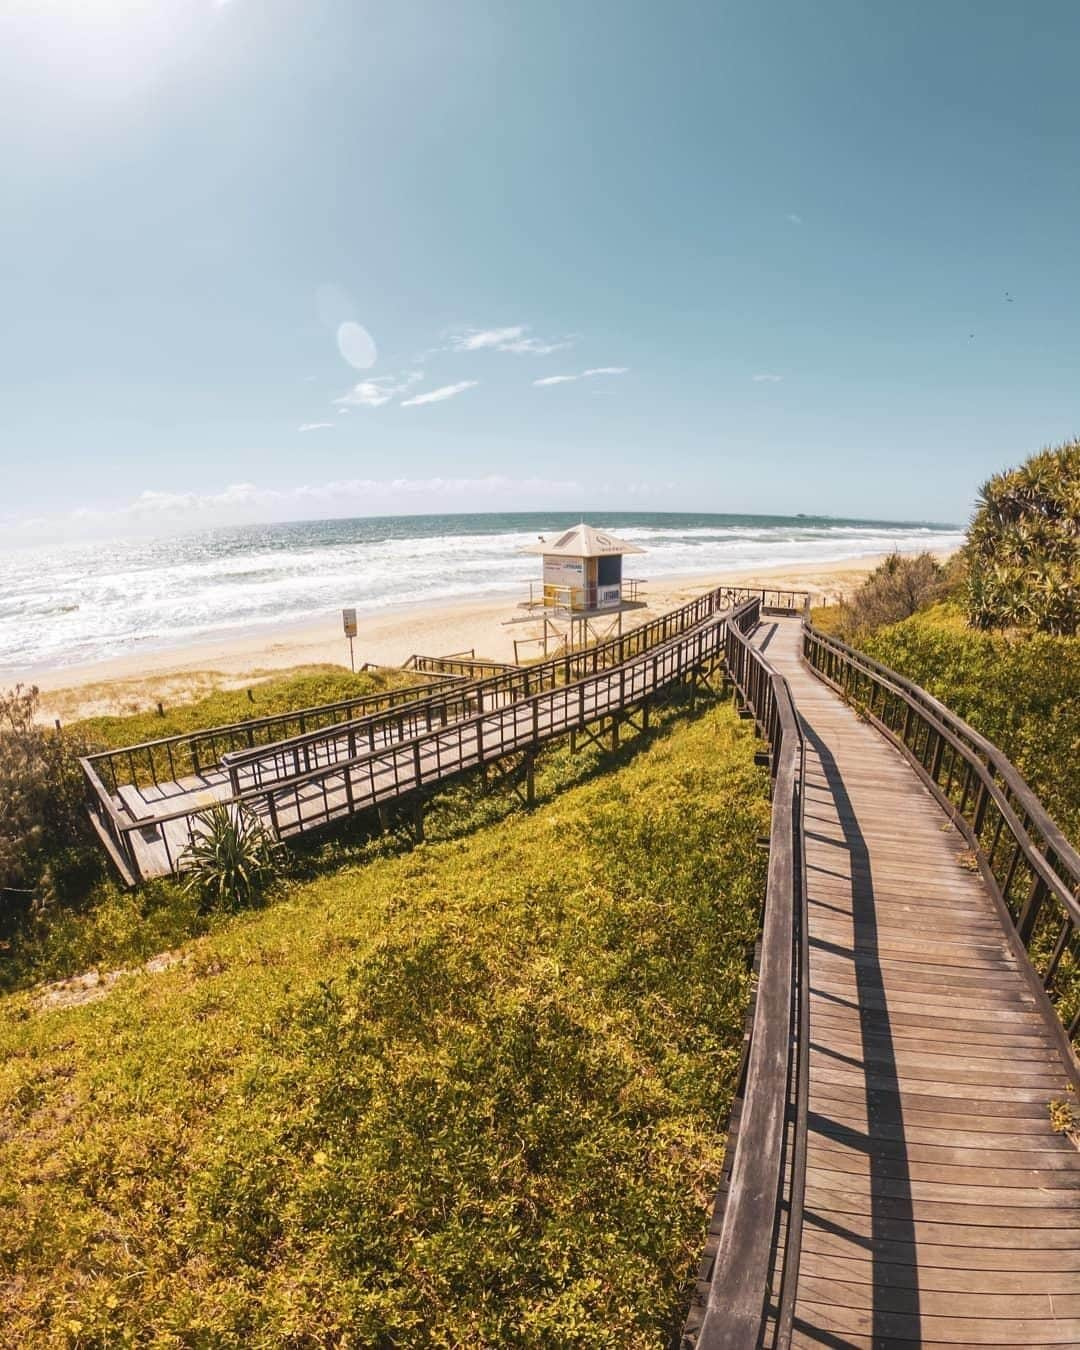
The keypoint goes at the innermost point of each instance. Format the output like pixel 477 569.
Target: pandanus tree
pixel 1023 548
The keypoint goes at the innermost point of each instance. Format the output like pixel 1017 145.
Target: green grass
pixel 305 687
pixel 473 1094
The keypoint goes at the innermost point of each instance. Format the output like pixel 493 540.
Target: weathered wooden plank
pixel 960 1259
pixel 1056 1152
pixel 973 1170
pixel 930 1023
pixel 838 1034
pixel 988 1198
pixel 1035 1082
pixel 895 1297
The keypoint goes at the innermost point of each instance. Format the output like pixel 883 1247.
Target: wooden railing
pixel 754 1240
pixel 306 801
pixel 169 758
pixel 772 601
pixel 300 754
pixel 256 767
pixel 465 664
pixel 583 601
pixel 1029 866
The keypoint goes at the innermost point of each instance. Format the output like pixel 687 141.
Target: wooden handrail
pixel 1030 868
pixel 681 653
pixel 767 1148
pixel 387 697
pixel 463 699
pixel 514 682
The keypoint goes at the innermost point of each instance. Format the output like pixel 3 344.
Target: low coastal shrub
pixel 233 858
pixel 898 587
pixel 60 909
pixel 43 831
pixel 473 1094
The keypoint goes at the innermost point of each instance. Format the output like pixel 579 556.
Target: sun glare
pixel 119 43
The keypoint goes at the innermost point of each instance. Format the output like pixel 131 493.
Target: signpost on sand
pixel 348 617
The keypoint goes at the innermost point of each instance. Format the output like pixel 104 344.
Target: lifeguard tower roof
pixel 583 541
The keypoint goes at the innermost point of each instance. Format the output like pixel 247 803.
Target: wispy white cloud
pixel 314 426
pixel 477 339
pixel 535 346
pixel 794 218
pixel 765 377
pixel 512 339
pixel 369 394
pixel 437 395
pixel 585 375
pixel 380 389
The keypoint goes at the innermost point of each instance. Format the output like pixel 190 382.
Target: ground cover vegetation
pixel 471 1093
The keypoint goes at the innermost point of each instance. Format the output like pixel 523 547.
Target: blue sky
pixel 825 257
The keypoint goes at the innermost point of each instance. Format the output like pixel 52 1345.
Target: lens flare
pixel 356 345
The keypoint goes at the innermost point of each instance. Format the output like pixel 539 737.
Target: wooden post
pixel 1038 893
pixel 530 778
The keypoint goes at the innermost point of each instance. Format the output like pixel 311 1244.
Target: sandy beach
pixel 136 681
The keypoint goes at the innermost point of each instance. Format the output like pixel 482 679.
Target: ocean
pixel 89 602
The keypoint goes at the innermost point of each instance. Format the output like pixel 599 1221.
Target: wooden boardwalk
pixel 941 1208
pixel 160 820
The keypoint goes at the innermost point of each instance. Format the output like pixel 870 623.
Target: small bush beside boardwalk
pixel 473 1094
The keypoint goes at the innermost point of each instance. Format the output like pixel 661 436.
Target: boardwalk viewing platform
pixel 893 1176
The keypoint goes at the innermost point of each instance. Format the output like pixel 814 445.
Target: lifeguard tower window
pixel 609 570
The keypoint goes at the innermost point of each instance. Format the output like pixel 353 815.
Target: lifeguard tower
pixel 581 582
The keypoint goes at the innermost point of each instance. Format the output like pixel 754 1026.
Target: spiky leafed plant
pixel 1023 547
pixel 232 858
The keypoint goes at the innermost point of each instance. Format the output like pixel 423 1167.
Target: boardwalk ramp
pixel 928 1200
